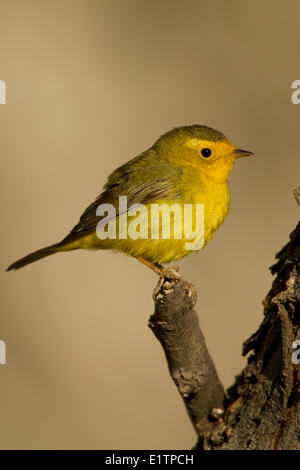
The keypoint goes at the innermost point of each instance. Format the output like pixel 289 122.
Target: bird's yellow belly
pixel 168 247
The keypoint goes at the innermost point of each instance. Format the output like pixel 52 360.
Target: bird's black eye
pixel 206 153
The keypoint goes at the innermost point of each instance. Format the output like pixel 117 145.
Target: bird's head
pixel 205 149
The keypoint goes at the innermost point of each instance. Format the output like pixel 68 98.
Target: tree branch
pixel 176 326
pixel 261 410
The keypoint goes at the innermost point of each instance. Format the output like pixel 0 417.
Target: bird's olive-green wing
pixel 144 179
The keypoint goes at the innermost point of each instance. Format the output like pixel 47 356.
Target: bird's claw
pixel 168 278
pixel 170 273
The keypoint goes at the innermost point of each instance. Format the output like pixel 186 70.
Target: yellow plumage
pixel 188 165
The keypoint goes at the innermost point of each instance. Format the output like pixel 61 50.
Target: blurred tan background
pixel 91 84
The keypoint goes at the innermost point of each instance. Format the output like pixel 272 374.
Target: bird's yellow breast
pixel 216 201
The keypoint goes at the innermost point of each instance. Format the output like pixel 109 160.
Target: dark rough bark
pixel 261 410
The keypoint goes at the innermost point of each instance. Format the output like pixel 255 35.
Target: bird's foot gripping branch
pixel 168 279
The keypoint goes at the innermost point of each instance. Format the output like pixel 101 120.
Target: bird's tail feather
pixel 32 257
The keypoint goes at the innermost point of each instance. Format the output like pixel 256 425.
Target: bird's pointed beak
pixel 237 153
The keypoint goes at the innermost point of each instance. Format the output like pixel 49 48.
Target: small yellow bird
pixel 187 166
